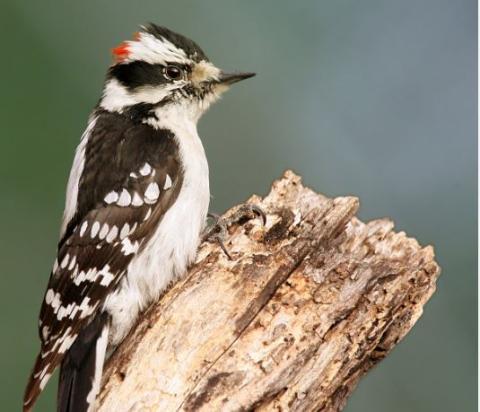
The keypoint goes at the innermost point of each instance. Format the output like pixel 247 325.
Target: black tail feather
pixel 81 368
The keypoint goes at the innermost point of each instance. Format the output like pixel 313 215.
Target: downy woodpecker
pixel 137 200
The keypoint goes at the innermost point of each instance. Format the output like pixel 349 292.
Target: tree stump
pixel 308 304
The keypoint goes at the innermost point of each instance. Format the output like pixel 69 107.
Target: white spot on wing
pixel 74 312
pixel 53 299
pixel 128 247
pixel 67 341
pixel 45 332
pixel 112 234
pixel 107 276
pixel 85 309
pixel 49 296
pixel 152 193
pixel 146 169
pixel 168 183
pixel 90 275
pixel 103 233
pixel 83 228
pixel 55 266
pixel 65 260
pixel 124 199
pixel 95 229
pixel 79 278
pixel 44 381
pixel 125 231
pixel 56 302
pixel 65 311
pixel 72 262
pixel 136 200
pixel 111 197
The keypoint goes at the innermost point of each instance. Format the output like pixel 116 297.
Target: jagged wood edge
pixel 303 227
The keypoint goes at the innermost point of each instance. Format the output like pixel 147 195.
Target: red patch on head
pixel 121 52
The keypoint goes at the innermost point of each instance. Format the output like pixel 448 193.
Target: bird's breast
pixel 171 248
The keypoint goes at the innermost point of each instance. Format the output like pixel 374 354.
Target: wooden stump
pixel 309 304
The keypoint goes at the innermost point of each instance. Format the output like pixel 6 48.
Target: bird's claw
pixel 218 231
pixel 257 211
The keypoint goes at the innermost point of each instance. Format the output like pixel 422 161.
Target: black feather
pixel 138 74
pixel 78 368
pixel 117 147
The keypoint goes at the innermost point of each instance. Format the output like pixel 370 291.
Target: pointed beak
pixel 230 78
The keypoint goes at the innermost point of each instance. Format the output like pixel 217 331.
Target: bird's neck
pixel 176 118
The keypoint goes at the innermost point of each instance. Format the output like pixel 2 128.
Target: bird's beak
pixel 230 78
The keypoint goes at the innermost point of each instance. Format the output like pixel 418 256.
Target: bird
pixel 137 200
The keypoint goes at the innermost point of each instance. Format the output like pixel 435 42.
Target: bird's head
pixel 162 69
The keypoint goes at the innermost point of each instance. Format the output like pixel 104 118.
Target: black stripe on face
pixel 138 73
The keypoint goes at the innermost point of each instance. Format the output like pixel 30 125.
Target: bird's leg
pixel 218 231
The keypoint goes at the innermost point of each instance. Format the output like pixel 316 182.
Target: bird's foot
pixel 219 230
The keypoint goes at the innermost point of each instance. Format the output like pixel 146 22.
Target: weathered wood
pixel 309 303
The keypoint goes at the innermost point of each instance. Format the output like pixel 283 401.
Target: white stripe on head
pixel 152 50
pixel 116 96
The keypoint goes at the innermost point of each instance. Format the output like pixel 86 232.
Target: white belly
pixel 170 250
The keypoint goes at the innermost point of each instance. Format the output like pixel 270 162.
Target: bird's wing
pixel 131 176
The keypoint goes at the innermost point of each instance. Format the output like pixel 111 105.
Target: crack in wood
pixel 311 303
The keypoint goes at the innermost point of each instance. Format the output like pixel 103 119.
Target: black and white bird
pixel 136 204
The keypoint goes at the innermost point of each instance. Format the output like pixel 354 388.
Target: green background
pixel 372 98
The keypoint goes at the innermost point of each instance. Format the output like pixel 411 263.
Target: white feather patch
pixel 168 183
pixel 125 231
pixel 103 233
pixel 73 260
pixel 146 169
pixel 112 234
pixel 100 350
pixel 136 200
pixel 83 228
pixel 74 178
pixel 124 199
pixel 65 261
pixel 95 229
pixel 149 213
pixel 128 247
pixel 111 197
pixel 152 193
pixel 155 51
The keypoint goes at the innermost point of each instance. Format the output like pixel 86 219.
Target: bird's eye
pixel 173 72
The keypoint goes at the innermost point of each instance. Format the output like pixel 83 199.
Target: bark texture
pixel 309 303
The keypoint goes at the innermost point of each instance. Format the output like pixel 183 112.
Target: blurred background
pixel 372 98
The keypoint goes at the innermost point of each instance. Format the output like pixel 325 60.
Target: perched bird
pixel 136 204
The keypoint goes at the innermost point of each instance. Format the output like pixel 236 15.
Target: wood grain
pixel 308 305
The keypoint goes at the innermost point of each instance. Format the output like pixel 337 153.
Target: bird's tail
pixel 82 367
